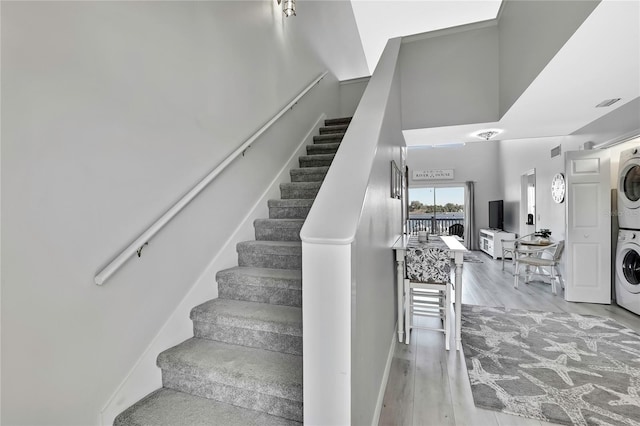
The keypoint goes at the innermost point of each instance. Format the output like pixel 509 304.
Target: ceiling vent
pixel 607 102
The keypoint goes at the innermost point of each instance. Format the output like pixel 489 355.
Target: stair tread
pixel 260 370
pixel 328 145
pixel 257 316
pixel 168 407
pixel 278 277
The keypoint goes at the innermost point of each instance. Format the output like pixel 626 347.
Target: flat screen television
pixel 496 214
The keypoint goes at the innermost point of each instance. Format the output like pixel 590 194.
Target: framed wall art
pixel 396 181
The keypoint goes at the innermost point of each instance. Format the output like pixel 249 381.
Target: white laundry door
pixel 588 216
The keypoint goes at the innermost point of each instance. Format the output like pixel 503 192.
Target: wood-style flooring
pixel 429 386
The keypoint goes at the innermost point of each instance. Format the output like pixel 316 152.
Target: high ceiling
pixel 380 20
pixel 600 61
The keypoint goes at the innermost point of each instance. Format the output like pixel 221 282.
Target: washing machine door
pixel 628 267
pixel 629 183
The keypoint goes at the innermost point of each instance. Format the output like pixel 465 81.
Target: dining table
pixel 456 250
pixel 535 243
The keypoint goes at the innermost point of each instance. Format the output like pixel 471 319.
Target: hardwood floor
pixel 429 386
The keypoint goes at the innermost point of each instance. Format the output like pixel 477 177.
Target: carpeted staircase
pixel 244 364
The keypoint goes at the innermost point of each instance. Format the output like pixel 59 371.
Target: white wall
pixel 350 94
pixel 531 32
pixel 477 162
pixel 450 78
pixel 111 111
pixel 518 156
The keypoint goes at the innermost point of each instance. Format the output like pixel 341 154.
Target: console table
pixel 491 241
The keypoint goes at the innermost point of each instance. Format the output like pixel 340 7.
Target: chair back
pixel 428 265
pixel 559 249
pixel 457 229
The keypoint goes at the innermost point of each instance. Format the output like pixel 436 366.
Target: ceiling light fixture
pixel 289 7
pixel 487 134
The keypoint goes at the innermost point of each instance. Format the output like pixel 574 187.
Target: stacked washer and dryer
pixel 627 267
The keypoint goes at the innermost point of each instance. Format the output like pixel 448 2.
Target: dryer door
pixel 629 183
pixel 628 267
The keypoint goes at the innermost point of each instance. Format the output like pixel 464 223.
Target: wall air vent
pixel 607 102
pixel 556 151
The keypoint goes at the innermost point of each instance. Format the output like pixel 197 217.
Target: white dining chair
pixel 544 260
pixel 509 248
pixel 427 291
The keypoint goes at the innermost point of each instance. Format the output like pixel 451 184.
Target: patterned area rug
pixel 556 367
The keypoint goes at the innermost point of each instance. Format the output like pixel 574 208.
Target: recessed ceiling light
pixel 487 134
pixel 607 102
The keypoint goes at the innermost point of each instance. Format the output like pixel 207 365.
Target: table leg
pixel 458 289
pixel 400 291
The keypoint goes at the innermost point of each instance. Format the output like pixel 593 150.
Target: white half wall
pixel 348 273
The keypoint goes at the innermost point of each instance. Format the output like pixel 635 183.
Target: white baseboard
pixel 385 376
pixel 145 377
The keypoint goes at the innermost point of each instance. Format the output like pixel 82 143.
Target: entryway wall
pixel 477 162
pixel 518 156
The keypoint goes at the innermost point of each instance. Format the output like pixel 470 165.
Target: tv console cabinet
pixel 491 241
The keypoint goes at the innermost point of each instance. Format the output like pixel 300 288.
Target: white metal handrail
pixel 136 246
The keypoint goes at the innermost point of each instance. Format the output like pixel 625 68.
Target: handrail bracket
pixel 139 251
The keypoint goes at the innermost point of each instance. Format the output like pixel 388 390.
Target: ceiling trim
pixel 451 30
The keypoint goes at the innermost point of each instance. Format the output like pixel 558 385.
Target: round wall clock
pixel 558 188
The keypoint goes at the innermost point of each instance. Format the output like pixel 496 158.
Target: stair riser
pixel 292 193
pixel 337 121
pixel 288 212
pixel 267 233
pixel 314 161
pixel 275 261
pixel 329 138
pixel 333 129
pixel 316 176
pixel 250 293
pixel 247 398
pixel 247 337
pixel 326 148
